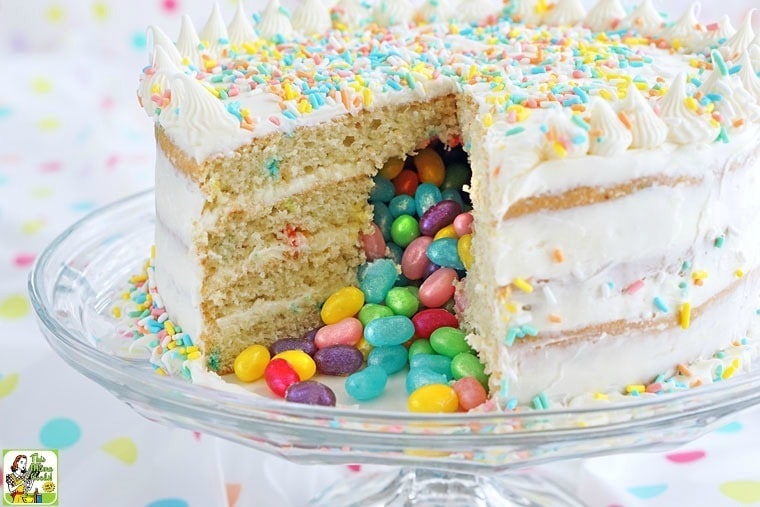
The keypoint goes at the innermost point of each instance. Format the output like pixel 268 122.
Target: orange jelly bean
pixel 430 167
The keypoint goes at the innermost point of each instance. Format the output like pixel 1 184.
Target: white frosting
pixel 156 83
pixel 748 77
pixel 754 53
pixel 685 126
pixel 723 31
pixel 566 12
pixel 160 39
pixel 274 21
pixel 311 17
pixel 686 30
pixel 214 33
pixel 240 29
pixel 647 129
pixel 527 11
pixel 644 19
pixel 392 12
pixel 351 13
pixel 562 131
pixel 740 41
pixel 604 15
pixel 609 137
pixel 731 105
pixel 434 11
pixel 189 42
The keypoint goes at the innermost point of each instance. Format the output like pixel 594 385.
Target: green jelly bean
pixel 414 290
pixel 372 311
pixel 404 230
pixel 457 175
pixel 468 365
pixel 420 347
pixel 402 301
pixel 449 341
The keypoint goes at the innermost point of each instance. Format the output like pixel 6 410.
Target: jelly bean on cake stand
pixel 468 365
pixel 422 376
pixel 387 331
pixel 449 341
pixel 391 359
pixel 300 361
pixel 367 384
pixel 284 344
pixel 430 319
pixel 470 393
pixel 250 363
pixel 433 398
pixel 338 360
pixel 346 332
pixel 420 346
pixel 342 303
pixel 280 375
pixel 310 392
pixel 435 362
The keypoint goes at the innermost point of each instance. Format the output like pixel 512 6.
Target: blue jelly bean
pixel 402 205
pixel 377 279
pixel 383 219
pixel 396 252
pixel 388 331
pixel 437 363
pixel 426 196
pixel 419 377
pixel 367 384
pixel 452 195
pixel 383 191
pixel 391 359
pixel 444 253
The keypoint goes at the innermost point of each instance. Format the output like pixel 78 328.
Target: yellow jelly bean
pixel 341 304
pixel 392 168
pixel 446 232
pixel 250 364
pixel 433 398
pixel 301 362
pixel 464 249
pixel 430 168
pixel 364 347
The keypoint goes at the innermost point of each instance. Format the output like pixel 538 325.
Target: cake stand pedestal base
pixel 430 488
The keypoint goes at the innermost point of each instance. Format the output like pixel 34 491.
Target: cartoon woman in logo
pixel 19 481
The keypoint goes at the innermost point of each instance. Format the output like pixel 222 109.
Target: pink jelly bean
pixel 346 332
pixel 427 321
pixel 470 392
pixel 438 288
pixel 415 259
pixel 373 243
pixel 463 224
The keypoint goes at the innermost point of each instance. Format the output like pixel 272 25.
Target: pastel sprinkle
pixel 660 305
pixel 522 285
pixel 685 316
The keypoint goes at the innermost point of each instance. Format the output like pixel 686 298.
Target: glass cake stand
pixel 459 459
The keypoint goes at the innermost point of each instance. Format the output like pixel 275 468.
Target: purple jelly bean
pixel 430 269
pixel 310 334
pixel 284 344
pixel 439 216
pixel 310 392
pixel 338 360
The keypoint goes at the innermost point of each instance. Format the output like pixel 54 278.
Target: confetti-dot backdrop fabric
pixel 73 138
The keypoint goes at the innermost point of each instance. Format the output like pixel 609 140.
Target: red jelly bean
pixel 438 288
pixel 470 392
pixel 373 243
pixel 415 260
pixel 406 182
pixel 279 375
pixel 427 321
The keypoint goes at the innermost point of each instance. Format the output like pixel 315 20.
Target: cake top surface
pixel 563 82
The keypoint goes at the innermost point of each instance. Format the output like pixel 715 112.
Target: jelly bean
pixel 464 249
pixel 373 243
pixel 395 252
pixel 372 311
pixel 427 321
pixel 468 365
pixel 415 260
pixel 338 360
pixel 406 182
pixel 420 347
pixel 439 216
pixel 438 288
pixel 430 268
pixel 391 359
pixel 402 205
pixel 458 174
pixel 345 302
pixel 300 361
pixel 415 291
pixel 446 232
pixel 426 196
pixel 402 281
pixel 346 332
pixel 419 377
pixel 382 217
pixel 452 195
pixel 250 363
pixel 470 393
pixel 404 230
pixel 280 375
pixel 444 253
pixel 433 398
pixel 367 384
pixel 449 341
pixel 310 392
pixel 383 191
pixel 391 168
pixel 284 344
pixel 387 331
pixel 463 224
pixel 437 363
pixel 402 301
pixel 430 167
pixel 364 347
pixel 379 278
